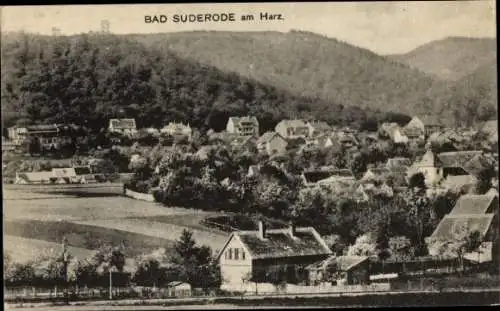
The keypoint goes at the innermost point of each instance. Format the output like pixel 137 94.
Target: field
pixel 38 217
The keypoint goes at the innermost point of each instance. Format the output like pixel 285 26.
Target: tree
pixel 461 241
pixel 417 181
pixel 198 267
pixel 418 217
pixel 399 247
pixel 484 180
pixel 365 246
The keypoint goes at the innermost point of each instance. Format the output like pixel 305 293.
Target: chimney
pixel 291 229
pixel 262 230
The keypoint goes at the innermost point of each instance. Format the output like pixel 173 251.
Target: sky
pixel 383 27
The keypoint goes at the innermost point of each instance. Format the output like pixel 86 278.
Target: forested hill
pixel 476 94
pixel 451 58
pixel 313 65
pixel 87 79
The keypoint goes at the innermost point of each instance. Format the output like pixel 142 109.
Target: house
pixel 375 174
pixel 247 143
pixel 204 152
pixel 65 175
pixel 178 289
pixel 177 129
pixel 84 175
pixel 317 128
pixel 475 204
pixel 271 143
pixel 244 126
pixel 253 170
pixel 436 167
pixel 465 182
pixel 17 134
pixel 474 213
pixel 346 139
pixel 327 177
pixel 349 270
pixel 491 129
pixel 394 132
pixel 291 129
pixel 49 136
pixel 398 163
pixel 8 146
pixel 45 177
pixel 366 191
pixel 256 253
pixel 122 126
pixel 423 126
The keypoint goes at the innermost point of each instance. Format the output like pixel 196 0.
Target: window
pixel 236 254
pixel 230 253
pixel 243 254
pixel 225 255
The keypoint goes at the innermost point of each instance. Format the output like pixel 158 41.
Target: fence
pixel 139 196
pixel 291 289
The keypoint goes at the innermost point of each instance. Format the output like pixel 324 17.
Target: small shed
pixel 178 289
pixel 350 270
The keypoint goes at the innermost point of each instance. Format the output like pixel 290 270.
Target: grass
pixel 23 249
pixel 90 215
pixel 84 236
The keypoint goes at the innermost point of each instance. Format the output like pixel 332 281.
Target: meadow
pixel 38 217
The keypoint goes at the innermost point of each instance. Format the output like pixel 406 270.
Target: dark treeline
pixel 87 79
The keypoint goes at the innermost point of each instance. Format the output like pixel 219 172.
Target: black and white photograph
pixel 250 155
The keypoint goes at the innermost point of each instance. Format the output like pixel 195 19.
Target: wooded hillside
pixel 88 79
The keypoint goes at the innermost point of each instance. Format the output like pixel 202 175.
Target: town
pixel 329 155
pixel 314 185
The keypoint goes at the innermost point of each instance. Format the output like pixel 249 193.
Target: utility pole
pixel 65 258
pixel 111 270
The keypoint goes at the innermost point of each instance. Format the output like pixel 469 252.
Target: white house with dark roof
pixel 255 253
pixel 122 126
pixel 244 126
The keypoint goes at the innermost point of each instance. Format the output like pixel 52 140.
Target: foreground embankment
pixel 469 297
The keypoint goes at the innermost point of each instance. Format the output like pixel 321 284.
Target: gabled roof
pixel 36 176
pixel 446 227
pixel 267 137
pixel 241 140
pixel 379 171
pixel 320 125
pixel 316 176
pixel 430 120
pixel 64 172
pixel 247 119
pixel 429 159
pixel 459 182
pixel 82 170
pixel 478 163
pixel 457 158
pixel 398 162
pixel 122 123
pixel 278 243
pixel 338 263
pixel 490 127
pixel 474 204
pixel 43 128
